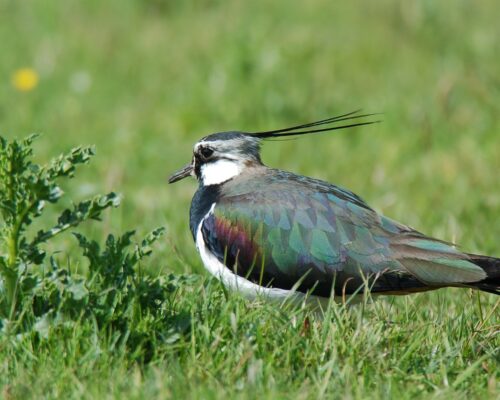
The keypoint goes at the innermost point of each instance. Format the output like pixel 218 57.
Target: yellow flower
pixel 25 79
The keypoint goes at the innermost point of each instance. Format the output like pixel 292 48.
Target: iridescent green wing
pixel 297 232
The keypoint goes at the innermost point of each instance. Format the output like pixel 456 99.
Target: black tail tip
pixel 491 266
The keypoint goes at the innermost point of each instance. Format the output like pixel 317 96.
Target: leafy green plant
pixel 36 295
pixel 134 308
pixel 25 189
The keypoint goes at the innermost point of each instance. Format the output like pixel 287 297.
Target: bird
pixel 266 232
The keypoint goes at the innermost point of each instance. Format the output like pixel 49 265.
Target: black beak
pixel 181 174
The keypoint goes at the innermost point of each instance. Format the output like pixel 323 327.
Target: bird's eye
pixel 206 152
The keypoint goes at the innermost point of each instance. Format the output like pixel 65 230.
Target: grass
pixel 144 80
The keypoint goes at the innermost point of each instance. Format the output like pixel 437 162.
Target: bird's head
pixel 220 157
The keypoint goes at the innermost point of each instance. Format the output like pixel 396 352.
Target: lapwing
pixel 267 232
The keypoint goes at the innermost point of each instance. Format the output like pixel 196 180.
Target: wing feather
pixel 284 229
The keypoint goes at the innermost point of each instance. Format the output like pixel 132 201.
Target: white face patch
pixel 214 173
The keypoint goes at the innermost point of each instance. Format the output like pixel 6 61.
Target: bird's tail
pixel 491 266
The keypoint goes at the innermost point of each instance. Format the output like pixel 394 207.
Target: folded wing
pixel 293 232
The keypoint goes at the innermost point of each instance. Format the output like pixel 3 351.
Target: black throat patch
pixel 203 199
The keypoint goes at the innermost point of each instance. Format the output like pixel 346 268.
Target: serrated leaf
pixel 88 209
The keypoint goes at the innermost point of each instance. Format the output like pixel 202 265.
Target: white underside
pixel 214 173
pixel 247 288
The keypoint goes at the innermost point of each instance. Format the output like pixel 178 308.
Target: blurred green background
pixel 143 80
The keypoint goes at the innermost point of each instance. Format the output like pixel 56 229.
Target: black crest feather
pixel 323 125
